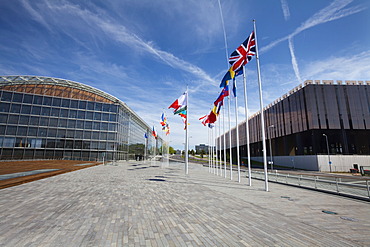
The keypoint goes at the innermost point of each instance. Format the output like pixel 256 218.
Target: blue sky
pixel 146 52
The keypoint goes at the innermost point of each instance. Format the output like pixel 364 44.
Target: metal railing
pixel 357 187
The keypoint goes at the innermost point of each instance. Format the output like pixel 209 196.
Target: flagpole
pixel 237 132
pixel 146 139
pixel 186 133
pixel 231 152
pixel 209 153
pixel 247 127
pixel 212 154
pixel 216 149
pixel 261 109
pixel 224 137
pixel 219 145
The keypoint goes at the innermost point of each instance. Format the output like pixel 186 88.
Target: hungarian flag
pixel 243 54
pixel 180 103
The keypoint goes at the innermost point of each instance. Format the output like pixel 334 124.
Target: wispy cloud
pixel 285 7
pixel 121 34
pixel 332 12
pixel 294 60
pixel 353 66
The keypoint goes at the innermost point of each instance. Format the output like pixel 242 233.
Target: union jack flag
pixel 243 54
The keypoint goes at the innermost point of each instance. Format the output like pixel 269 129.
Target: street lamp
pixel 327 146
pixel 271 162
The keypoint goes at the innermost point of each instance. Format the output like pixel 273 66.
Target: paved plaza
pixel 156 204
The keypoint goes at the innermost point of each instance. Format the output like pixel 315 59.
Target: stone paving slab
pixel 150 204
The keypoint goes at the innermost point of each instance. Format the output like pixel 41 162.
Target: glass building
pixel 50 118
pixel 300 122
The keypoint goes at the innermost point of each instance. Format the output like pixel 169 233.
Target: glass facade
pixel 39 120
pixel 301 117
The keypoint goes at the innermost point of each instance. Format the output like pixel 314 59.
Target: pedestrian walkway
pixel 156 204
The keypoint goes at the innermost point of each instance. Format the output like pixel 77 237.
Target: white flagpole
pixel 209 152
pixel 216 146
pixel 223 128
pixel 231 152
pixel 261 109
pixel 237 134
pixel 212 151
pixel 186 133
pixel 247 127
pixel 146 139
pixel 219 144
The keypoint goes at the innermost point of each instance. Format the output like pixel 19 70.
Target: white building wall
pixel 339 163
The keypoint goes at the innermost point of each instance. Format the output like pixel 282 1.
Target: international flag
pixel 180 103
pixel 243 54
pixel 230 74
pixel 210 118
pixel 163 120
pixel 224 93
pixel 154 133
pixel 145 136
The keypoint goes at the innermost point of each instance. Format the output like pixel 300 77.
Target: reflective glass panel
pixel 45 111
pixel 72 113
pixel 15 108
pixel 22 131
pixel 90 105
pixel 74 104
pixel 13 119
pixel 88 125
pixel 37 100
pixel 56 102
pixel 42 132
pixel 17 97
pixel 52 132
pixel 98 106
pixel 6 96
pixel 36 110
pixel 27 98
pixel 71 123
pixel 34 120
pixel 62 123
pixel 63 113
pixel 81 114
pixel 54 112
pixel 47 101
pixel 32 131
pixel 79 124
pixel 4 107
pixel 82 105
pixel 53 122
pixel 3 118
pixel 11 130
pixel 24 120
pixel 44 121
pixel 26 109
pixel 65 103
pixel 89 115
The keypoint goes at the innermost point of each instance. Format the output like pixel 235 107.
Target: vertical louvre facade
pixel 49 118
pixel 301 117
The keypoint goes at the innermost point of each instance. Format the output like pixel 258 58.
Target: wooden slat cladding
pixel 57 91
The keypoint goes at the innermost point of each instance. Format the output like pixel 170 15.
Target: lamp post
pixel 327 146
pixel 271 162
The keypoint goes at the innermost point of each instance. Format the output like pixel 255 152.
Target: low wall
pixel 339 163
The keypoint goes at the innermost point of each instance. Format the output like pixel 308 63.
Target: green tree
pixel 171 150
